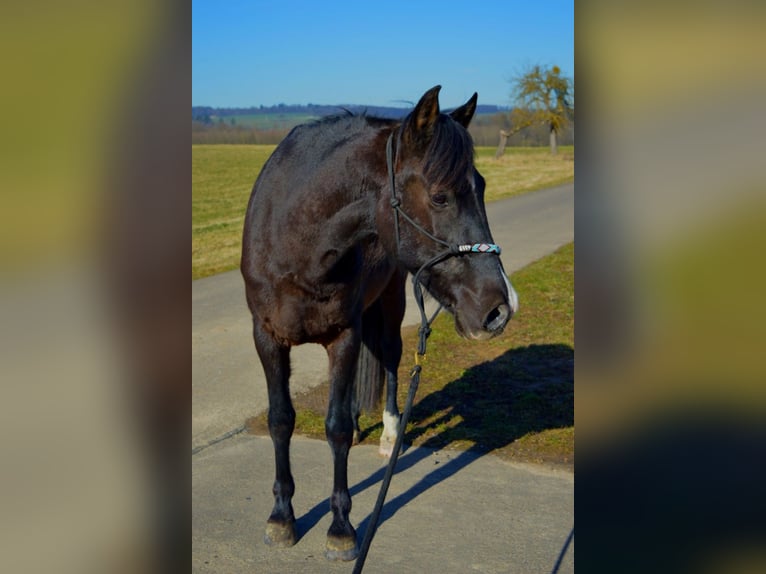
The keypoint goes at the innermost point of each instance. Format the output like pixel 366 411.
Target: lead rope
pixel 423 333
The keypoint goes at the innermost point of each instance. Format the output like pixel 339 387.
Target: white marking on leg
pixel 390 424
pixel 388 437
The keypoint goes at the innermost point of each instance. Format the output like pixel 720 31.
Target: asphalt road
pixel 446 511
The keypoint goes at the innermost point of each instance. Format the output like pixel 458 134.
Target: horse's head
pixel 442 192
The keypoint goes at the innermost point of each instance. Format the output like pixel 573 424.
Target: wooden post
pixel 553 142
pixel 501 144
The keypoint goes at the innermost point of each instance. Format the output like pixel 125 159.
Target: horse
pixel 332 227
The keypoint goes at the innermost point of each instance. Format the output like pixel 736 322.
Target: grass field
pixel 523 169
pixel 223 176
pixel 512 396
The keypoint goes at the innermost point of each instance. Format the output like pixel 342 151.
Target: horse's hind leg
pixel 280 527
pixel 343 352
pixel 393 303
pixel 370 375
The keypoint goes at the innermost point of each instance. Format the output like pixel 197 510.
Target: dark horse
pixel 325 258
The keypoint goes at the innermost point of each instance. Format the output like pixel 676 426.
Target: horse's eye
pixel 439 199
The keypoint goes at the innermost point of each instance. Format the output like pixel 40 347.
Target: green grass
pixel 223 176
pixel 523 169
pixel 512 396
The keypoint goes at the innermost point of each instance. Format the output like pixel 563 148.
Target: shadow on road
pixel 525 390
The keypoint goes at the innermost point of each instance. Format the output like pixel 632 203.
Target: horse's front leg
pixel 280 528
pixel 343 352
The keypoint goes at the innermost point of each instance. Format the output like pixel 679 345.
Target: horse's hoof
pixel 341 548
pixel 357 437
pixel 386 448
pixel 280 535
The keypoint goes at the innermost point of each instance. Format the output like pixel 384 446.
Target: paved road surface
pixel 449 512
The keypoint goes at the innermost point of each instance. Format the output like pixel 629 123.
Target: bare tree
pixel 519 121
pixel 544 96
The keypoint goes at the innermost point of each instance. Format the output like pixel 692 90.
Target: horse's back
pixel 308 175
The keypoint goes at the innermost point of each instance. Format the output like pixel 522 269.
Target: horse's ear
pixel 464 113
pixel 425 114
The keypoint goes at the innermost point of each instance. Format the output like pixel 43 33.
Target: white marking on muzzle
pixel 513 299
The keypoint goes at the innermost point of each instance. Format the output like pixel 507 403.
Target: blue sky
pixel 263 52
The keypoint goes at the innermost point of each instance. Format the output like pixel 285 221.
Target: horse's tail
pixel 370 374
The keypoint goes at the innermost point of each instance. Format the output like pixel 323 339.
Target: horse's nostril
pixel 497 318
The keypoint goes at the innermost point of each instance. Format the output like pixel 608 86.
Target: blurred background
pixel 670 228
pixel 94 294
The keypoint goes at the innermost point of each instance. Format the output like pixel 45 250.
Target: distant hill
pixel 263 117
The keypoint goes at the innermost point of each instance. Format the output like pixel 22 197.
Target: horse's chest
pixel 299 319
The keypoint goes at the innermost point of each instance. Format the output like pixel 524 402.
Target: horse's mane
pixel 449 155
pixel 347 115
pixel 447 158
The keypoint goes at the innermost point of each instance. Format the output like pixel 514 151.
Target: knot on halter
pixel 395 202
pixel 423 333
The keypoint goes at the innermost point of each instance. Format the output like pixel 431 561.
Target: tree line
pixel 485 131
pixel 543 115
